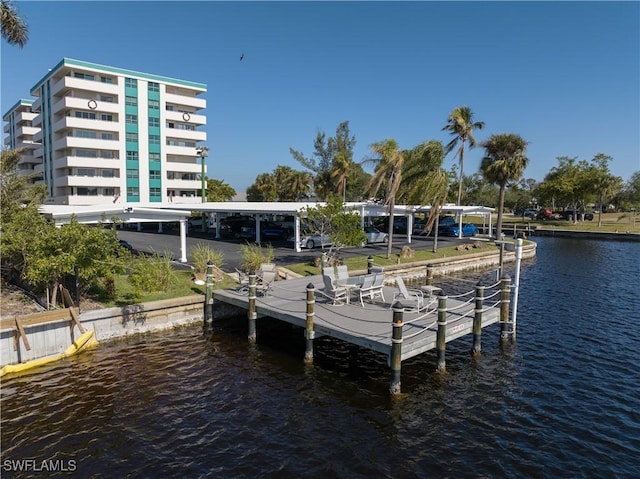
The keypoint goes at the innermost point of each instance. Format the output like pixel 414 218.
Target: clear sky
pixel 563 75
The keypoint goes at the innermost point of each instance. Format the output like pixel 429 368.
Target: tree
pixel 605 185
pixel 218 190
pixel 504 161
pixel 342 227
pixel 14 28
pixel 424 182
pixel 333 153
pixel 389 162
pixel 461 125
pixel 567 183
pixel 629 197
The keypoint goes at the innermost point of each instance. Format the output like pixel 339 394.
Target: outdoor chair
pixel 264 282
pixel 371 287
pixel 334 292
pixel 343 272
pixel 243 279
pixel 408 298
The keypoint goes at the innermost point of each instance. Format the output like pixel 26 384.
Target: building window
pixel 154 156
pixel 107 98
pixel 109 191
pixel 132 173
pixel 132 155
pixel 133 191
pixel 154 139
pixel 89 115
pixel 87 191
pixel 106 117
pixel 154 122
pixel 85 134
pixel 132 137
pixel 131 101
pixel 107 173
pixel 131 83
pixel 155 192
pixel 86 172
pixel 154 174
pixel 153 86
pixel 154 104
pixel 84 76
pixel 106 80
pixel 107 136
pixel 131 119
pixel 87 153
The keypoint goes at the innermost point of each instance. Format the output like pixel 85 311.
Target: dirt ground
pixel 13 302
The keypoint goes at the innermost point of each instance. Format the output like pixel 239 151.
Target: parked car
pixel 448 226
pixel 315 240
pixel 399 225
pixel 268 230
pixel 525 213
pixel 374 235
pixel 418 227
pixel 231 225
pixel 547 214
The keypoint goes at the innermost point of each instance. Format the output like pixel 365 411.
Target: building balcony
pixel 73 83
pixel 37 104
pixel 193 166
pixel 83 162
pixel 188 135
pixel 178 116
pixel 77 103
pixel 85 143
pixel 89 181
pixel 188 101
pixel 178 184
pixel 29 131
pixel 69 122
pixel 180 150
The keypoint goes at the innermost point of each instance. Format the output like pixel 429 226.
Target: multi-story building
pixel 108 135
pixel 19 131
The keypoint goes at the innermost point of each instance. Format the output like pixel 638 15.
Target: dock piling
pixel 477 320
pixel 252 308
pixel 208 303
pixel 504 308
pixel 395 361
pixel 309 331
pixel 442 333
pixel 369 264
pixel 429 275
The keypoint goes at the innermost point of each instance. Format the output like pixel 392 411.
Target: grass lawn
pixel 611 223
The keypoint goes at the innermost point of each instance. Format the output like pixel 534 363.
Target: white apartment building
pixel 110 135
pixel 19 132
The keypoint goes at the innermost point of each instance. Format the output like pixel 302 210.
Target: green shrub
pixel 254 255
pixel 152 273
pixel 202 254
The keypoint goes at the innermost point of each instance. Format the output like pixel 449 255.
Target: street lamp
pixel 202 152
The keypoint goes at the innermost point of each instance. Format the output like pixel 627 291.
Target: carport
pixel 62 214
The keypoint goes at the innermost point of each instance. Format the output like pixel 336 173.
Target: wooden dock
pixel 369 326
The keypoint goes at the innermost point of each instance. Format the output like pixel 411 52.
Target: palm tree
pixel 424 182
pixel 388 171
pixel 460 124
pixel 340 173
pixel 14 29
pixel 504 161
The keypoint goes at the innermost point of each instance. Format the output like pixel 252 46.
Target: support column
pixel 183 240
pixel 441 336
pixel 516 287
pixel 252 308
pixel 395 361
pixel 504 308
pixel 477 320
pixel 309 333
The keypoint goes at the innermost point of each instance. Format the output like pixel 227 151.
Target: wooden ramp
pixel 369 326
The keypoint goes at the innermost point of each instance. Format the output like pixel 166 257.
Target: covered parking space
pixel 459 212
pixel 62 214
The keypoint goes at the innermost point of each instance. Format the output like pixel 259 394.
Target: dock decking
pixel 369 326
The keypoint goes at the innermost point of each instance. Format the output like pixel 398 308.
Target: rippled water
pixel 562 401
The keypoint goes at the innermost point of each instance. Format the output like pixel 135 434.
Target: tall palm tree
pixel 14 29
pixel 340 173
pixel 460 124
pixel 388 163
pixel 424 182
pixel 504 161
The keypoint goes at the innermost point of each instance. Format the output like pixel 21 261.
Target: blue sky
pixel 563 75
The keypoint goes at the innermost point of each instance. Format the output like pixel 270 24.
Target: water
pixel 562 401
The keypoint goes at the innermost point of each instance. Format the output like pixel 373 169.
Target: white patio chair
pixel 366 289
pixel 264 282
pixel 408 298
pixel 334 292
